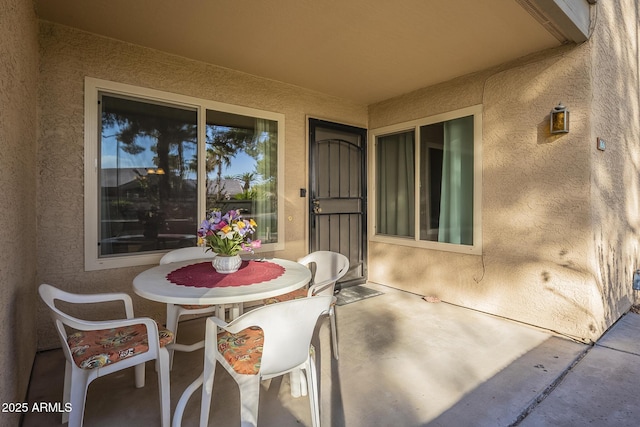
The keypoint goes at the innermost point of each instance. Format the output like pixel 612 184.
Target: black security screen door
pixel 337 194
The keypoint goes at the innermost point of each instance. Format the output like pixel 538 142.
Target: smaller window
pixel 432 186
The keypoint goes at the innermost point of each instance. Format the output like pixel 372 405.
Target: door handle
pixel 316 207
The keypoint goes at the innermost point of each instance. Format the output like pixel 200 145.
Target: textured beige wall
pixel 67 56
pixel 615 178
pixel 560 219
pixel 18 107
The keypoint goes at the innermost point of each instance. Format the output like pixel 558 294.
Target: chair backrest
pixel 329 268
pixel 50 294
pixel 288 328
pixel 183 254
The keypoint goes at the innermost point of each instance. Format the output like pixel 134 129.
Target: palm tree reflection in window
pixel 242 168
pixel 152 202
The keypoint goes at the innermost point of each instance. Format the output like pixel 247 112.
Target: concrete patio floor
pixel 403 362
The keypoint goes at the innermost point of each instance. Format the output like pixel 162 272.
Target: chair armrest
pixel 235 325
pixel 318 288
pixel 219 322
pixel 105 297
pixel 251 318
pixel 91 325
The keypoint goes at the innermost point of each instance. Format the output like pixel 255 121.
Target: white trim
pixel 91 194
pixel 476 248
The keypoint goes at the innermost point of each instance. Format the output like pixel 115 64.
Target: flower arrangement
pixel 228 234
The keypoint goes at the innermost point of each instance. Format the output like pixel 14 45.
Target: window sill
pixel 422 244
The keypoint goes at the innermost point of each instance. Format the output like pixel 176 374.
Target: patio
pixel 557 214
pixel 403 362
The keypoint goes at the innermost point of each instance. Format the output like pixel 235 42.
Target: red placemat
pixel 203 275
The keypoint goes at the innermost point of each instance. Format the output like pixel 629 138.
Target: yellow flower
pixel 241 225
pixel 252 223
pixel 226 229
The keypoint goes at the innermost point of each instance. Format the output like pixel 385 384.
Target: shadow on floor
pixel 403 362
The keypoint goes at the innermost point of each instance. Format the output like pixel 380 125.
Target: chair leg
pixel 249 399
pixel 312 387
pixel 66 393
pixel 334 333
pixel 79 384
pixel 208 373
pixel 304 384
pixel 164 386
pixel 184 399
pixel 172 325
pixel 295 382
pixel 140 375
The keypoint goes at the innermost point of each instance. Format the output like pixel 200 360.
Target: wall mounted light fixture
pixel 559 119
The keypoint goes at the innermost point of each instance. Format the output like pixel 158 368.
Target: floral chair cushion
pixel 194 306
pixel 297 294
pixel 243 351
pixel 94 349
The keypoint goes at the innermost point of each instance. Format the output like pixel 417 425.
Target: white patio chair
pixel 98 348
pixel 266 342
pixel 174 311
pixel 329 268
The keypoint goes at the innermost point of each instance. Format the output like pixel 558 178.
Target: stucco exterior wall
pixel 560 219
pixel 18 113
pixel 67 56
pixel 615 178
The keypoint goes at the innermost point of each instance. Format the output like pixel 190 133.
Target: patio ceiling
pixel 360 50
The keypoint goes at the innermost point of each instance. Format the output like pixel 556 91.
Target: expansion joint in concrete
pixel 549 389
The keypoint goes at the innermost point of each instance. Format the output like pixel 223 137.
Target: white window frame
pixel 93 86
pixel 414 125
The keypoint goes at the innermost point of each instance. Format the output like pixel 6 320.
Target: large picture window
pixel 156 162
pixel 428 182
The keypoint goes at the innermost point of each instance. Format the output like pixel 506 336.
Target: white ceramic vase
pixel 225 264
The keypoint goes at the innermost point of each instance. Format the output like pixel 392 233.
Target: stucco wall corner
pixel 615 171
pixel 18 230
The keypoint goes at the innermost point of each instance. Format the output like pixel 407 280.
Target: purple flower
pixel 230 216
pixel 215 217
pixel 205 227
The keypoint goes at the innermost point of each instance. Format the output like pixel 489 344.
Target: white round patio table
pixel 153 284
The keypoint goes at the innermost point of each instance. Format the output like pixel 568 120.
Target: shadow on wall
pixel 538 220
